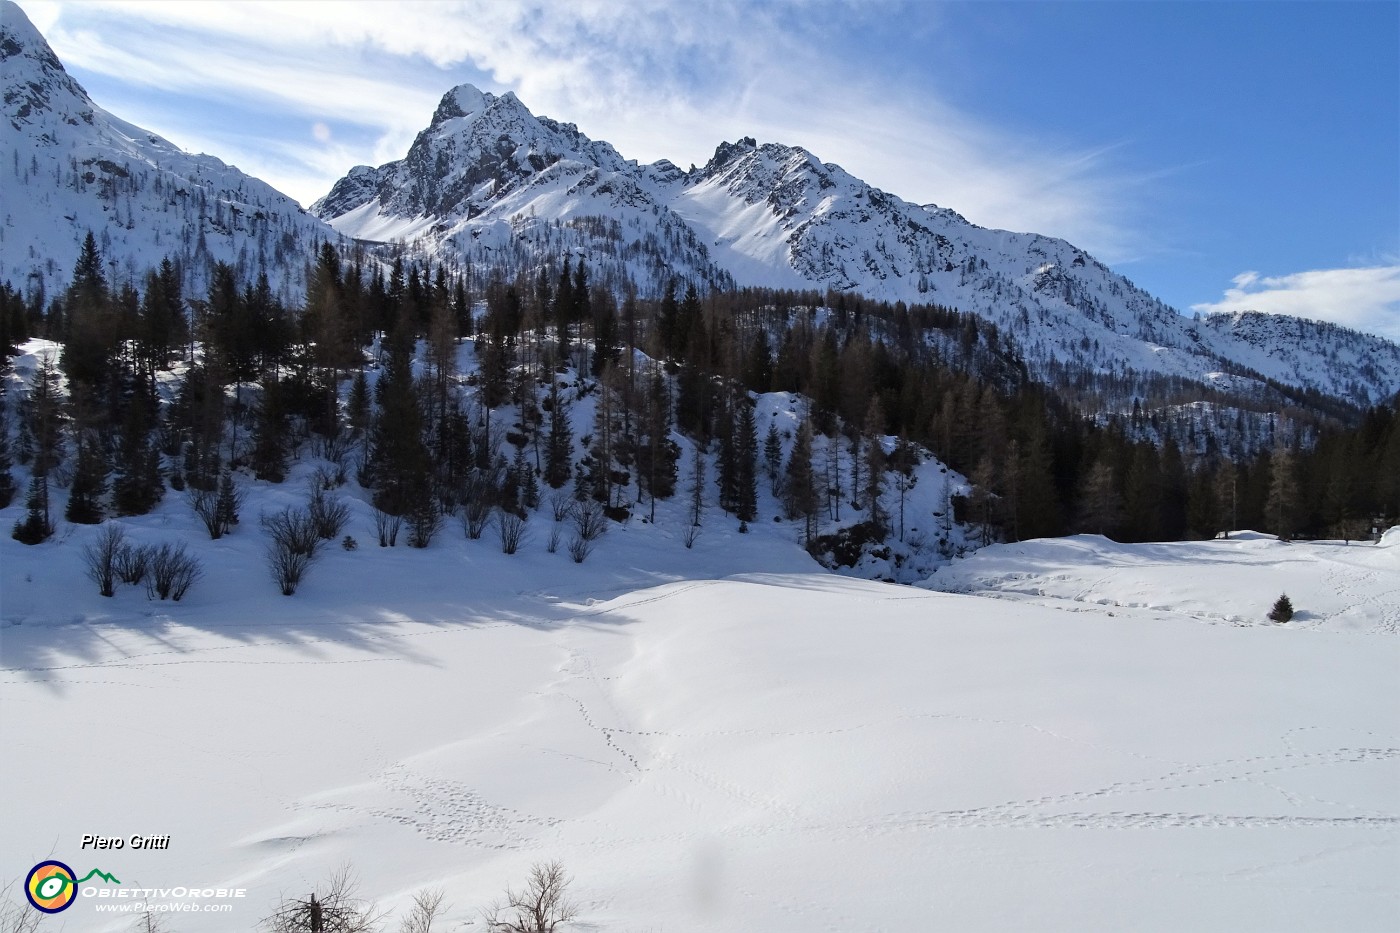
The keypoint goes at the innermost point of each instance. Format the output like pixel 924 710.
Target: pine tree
pixel 37 525
pixel 657 454
pixel 138 485
pixel 1283 505
pixel 399 466
pixel 559 442
pixel 773 456
pixel 1100 505
pixel 7 480
pixel 746 464
pixel 89 483
pixel 227 504
pixel 800 492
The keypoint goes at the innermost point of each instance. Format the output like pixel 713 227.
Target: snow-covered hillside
pixel 489 182
pixel 713 739
pixel 489 177
pixel 1334 586
pixel 69 167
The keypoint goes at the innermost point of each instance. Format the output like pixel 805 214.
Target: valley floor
pixel 784 751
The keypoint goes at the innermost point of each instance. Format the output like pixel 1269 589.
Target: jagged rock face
pixel 71 166
pixel 488 179
pixel 487 175
pixel 478 149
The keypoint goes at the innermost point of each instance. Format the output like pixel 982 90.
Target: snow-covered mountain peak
pixel 35 80
pixel 71 167
pixel 463 100
pixel 488 172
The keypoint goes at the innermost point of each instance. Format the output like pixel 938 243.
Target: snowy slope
pixel 779 750
pixel 488 175
pixel 69 167
pixel 1334 586
pixel 488 181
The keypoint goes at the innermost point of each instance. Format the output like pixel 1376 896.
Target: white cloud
pixel 1365 299
pixel 659 79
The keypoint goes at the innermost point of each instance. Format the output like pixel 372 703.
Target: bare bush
pixel 330 514
pixel 295 529
pixel 561 505
pixel 102 556
pixel 539 907
pixel 387 527
pixel 579 548
pixel 556 534
pixel 511 528
pixel 590 520
pixel 427 904
pixel 293 547
pixel 171 571
pixel 690 534
pixel 205 503
pixel 476 515
pixel 132 563
pixel 337 909
pixel 15 915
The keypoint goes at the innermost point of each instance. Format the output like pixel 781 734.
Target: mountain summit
pixel 489 179
pixel 74 167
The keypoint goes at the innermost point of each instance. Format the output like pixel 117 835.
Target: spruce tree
pixel 89 482
pixel 37 525
pixel 559 442
pixel 773 456
pixel 800 495
pixel 138 485
pixel 746 463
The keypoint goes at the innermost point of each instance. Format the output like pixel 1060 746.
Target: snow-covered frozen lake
pixel 1119 743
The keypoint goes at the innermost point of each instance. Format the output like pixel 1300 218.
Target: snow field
pixel 783 750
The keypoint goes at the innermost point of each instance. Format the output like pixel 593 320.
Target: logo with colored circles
pixel 51 886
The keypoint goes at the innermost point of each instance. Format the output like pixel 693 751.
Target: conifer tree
pixel 1282 507
pixel 559 442
pixel 138 485
pixel 89 482
pixel 745 463
pixel 800 494
pixel 7 480
pixel 773 456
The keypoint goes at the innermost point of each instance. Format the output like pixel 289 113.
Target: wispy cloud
pixel 658 79
pixel 1365 299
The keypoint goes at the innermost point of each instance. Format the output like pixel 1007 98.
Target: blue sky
pixel 1222 155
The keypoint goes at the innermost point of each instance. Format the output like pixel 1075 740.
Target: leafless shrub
pixel 579 548
pixel 511 528
pixel 171 571
pixel 15 915
pixel 539 907
pixel 476 515
pixel 330 514
pixel 151 922
pixel 295 528
pixel 387 526
pixel 293 546
pixel 132 563
pixel 590 520
pixel 337 909
pixel 556 534
pixel 205 503
pixel 102 556
pixel 690 534
pixel 561 505
pixel 427 904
